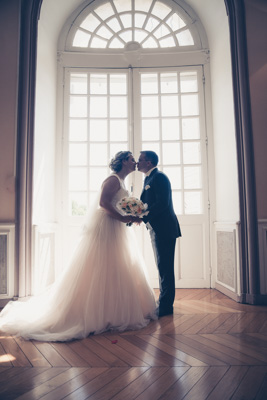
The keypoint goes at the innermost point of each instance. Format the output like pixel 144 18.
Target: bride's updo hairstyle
pixel 116 163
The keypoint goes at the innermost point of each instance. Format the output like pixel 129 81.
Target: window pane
pixel 78 83
pixel 118 130
pixel 118 84
pixel 126 21
pixel 104 32
pixel 150 129
pixel 98 154
pixel 169 106
pixel 150 43
pixel 171 153
pixel 151 146
pixel 149 83
pixel 81 39
pixel 192 177
pixel 96 177
pixel 98 84
pixel 116 44
pixel 78 130
pixel 123 5
pixel 185 38
pixel 167 42
pixel 77 179
pixel 139 19
pixel 151 24
pixel 98 43
pixel 161 10
pixel 139 35
pixel 77 204
pixel 98 130
pixel 161 31
pixel 168 83
pixel 193 202
pixel 78 154
pixel 177 202
pixel 191 153
pixel 174 174
pixel 175 22
pixel 118 107
pixel 98 107
pixel 150 107
pixel 78 106
pixel 188 81
pixel 90 23
pixel 190 128
pixel 114 24
pixel 189 104
pixel 116 147
pixel 170 129
pixel 143 5
pixel 104 11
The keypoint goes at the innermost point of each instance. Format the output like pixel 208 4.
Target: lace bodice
pixel 122 192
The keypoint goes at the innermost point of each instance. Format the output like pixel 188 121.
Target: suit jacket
pixel 158 196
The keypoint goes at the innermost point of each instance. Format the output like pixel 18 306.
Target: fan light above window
pixel 116 23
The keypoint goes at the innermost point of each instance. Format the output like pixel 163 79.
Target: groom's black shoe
pixel 162 312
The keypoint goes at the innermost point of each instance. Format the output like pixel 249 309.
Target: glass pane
pixel 150 43
pixel 191 153
pixel 150 106
pixel 118 130
pixel 123 5
pixel 174 174
pixel 98 154
pixel 175 22
pixel 189 104
pixel 161 31
pixel 161 10
pixel 77 179
pixel 116 44
pixel 167 42
pixel 98 43
pixel 139 20
pixel 98 130
pixel 118 84
pixel 90 23
pixel 78 130
pixel 149 83
pixel 193 203
pixel 170 129
pixel 168 83
pixel 139 35
pixel 177 202
pixel 185 38
pixel 78 106
pixel 151 24
pixel 98 83
pixel 116 147
pixel 169 106
pixel 126 20
pixel 78 83
pixel 190 128
pixel 98 107
pixel 104 11
pixel 188 81
pixel 142 5
pixel 150 129
pixel 96 177
pixel 171 153
pixel 104 32
pixel 151 146
pixel 113 23
pixel 118 107
pixel 81 39
pixel 78 154
pixel 192 177
pixel 77 204
pixel 127 36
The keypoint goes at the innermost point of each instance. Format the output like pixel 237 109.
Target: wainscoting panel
pixel 7 260
pixel 262 230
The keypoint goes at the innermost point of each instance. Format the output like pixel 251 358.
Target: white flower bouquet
pixel 132 206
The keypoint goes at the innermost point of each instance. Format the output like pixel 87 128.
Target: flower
pixel 132 206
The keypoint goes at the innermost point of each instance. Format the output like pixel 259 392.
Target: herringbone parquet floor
pixel 212 348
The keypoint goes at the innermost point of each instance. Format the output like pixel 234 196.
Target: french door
pixel 160 109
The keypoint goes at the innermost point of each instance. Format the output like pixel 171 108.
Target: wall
pixel 9 33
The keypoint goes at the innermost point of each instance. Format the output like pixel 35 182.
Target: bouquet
pixel 132 206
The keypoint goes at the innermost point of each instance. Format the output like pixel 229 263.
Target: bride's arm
pixel 109 188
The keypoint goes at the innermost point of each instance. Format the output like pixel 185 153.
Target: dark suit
pixel 165 229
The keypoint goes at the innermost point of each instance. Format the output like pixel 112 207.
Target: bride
pixel 103 288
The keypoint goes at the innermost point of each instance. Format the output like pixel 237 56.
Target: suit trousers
pixel 164 250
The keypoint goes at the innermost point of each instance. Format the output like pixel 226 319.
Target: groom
pixel 162 224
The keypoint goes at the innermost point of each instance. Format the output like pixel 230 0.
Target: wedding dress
pixel 103 288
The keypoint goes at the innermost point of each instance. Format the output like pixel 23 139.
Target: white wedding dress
pixel 103 288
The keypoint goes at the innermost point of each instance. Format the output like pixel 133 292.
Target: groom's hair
pixel 151 156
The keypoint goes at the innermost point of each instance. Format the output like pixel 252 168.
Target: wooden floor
pixel 212 348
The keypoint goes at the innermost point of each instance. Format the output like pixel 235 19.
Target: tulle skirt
pixel 105 287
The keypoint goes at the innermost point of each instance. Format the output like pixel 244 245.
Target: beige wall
pixel 9 34
pixel 256 16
